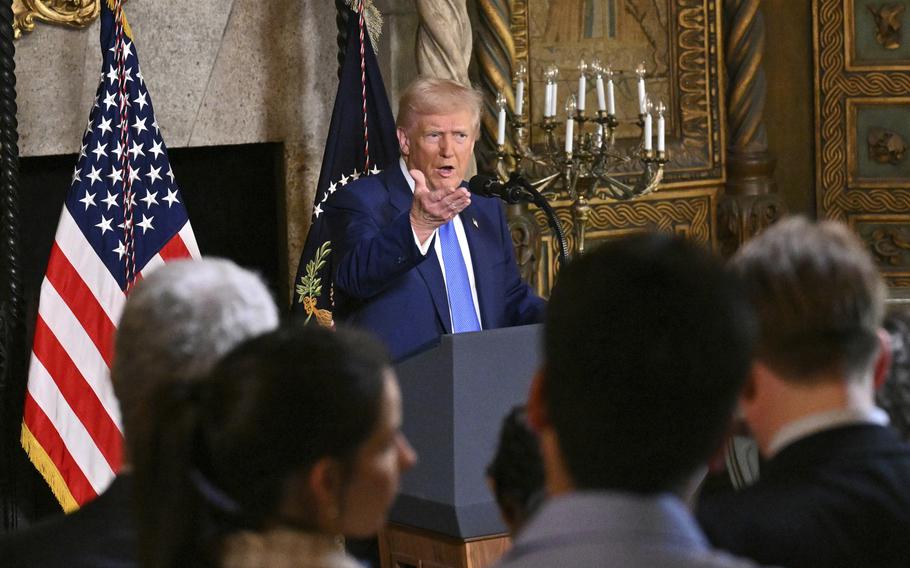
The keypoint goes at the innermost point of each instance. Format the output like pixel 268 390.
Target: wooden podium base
pixel 406 547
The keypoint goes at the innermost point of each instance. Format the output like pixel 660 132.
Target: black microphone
pixel 511 191
pixel 515 190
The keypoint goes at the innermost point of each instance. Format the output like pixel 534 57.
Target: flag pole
pixel 12 352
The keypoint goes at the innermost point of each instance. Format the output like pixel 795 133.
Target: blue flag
pixel 351 151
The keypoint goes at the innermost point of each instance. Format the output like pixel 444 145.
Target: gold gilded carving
pixel 888 21
pixel 885 146
pixel 887 236
pixel 72 13
pixel 835 88
pixel 889 245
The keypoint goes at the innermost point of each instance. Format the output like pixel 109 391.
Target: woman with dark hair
pixel 293 442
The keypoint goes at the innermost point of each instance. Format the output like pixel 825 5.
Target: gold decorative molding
pixel 71 13
pixel 887 236
pixel 840 194
pixel 689 212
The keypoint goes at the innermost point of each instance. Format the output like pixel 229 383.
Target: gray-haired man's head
pixel 176 325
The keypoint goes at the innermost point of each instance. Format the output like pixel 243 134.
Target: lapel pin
pixel 475 222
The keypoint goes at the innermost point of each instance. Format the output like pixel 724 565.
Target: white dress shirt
pixel 814 423
pixel 462 243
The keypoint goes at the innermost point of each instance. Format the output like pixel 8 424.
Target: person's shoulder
pixel 712 558
pixel 101 533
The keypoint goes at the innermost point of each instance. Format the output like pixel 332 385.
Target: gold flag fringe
pixel 48 470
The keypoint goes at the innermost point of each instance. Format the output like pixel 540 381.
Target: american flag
pixel 123 217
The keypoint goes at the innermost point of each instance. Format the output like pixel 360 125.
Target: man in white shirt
pixel 835 490
pixel 416 255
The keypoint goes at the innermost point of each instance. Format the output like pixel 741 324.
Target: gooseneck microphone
pixel 511 191
pixel 515 190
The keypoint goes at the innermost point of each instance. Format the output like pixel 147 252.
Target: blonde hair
pixel 432 95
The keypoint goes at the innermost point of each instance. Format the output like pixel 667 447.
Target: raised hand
pixel 433 208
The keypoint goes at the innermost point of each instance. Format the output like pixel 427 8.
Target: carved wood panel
pixel 863 125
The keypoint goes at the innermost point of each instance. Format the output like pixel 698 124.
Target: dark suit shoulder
pixel 100 534
pixel 819 502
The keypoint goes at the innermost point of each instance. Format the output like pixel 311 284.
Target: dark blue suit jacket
pixel 839 498
pixel 383 283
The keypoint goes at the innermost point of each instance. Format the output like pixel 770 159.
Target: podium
pixel 454 398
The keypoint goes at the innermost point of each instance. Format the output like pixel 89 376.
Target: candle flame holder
pixel 592 169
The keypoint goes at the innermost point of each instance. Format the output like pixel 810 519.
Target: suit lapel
pixel 400 194
pixel 400 197
pixel 474 224
pixel 431 272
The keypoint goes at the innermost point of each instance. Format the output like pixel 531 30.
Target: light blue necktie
pixel 458 287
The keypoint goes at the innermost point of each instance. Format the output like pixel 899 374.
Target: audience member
pixel 835 490
pixel 894 395
pixel 177 322
pixel 647 342
pixel 293 440
pixel 516 472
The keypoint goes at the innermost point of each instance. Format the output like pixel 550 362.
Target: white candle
pixel 501 127
pixel 548 100
pixel 570 123
pixel 601 99
pixel 661 139
pixel 647 134
pixel 582 87
pixel 553 102
pixel 519 97
pixel 642 95
pixel 611 100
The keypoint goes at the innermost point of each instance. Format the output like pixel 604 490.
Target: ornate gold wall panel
pixel 862 110
pixel 689 212
pixel 680 41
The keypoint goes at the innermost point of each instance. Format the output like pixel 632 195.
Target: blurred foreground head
pixel 647 343
pixel 297 429
pixel 177 323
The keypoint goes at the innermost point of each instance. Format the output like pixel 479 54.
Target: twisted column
pixel 12 359
pixel 750 202
pixel 496 56
pixel 444 39
pixel 341 23
pixel 747 85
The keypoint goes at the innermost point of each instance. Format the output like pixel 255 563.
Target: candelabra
pixel 588 162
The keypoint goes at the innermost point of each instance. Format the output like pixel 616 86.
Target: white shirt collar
pixel 815 423
pixel 407 175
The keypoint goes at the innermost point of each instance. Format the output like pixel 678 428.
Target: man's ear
pixel 884 359
pixel 538 416
pixel 404 143
pixel 750 387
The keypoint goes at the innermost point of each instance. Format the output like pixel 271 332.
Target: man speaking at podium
pixel 415 254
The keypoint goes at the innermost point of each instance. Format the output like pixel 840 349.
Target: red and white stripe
pixel 70 409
